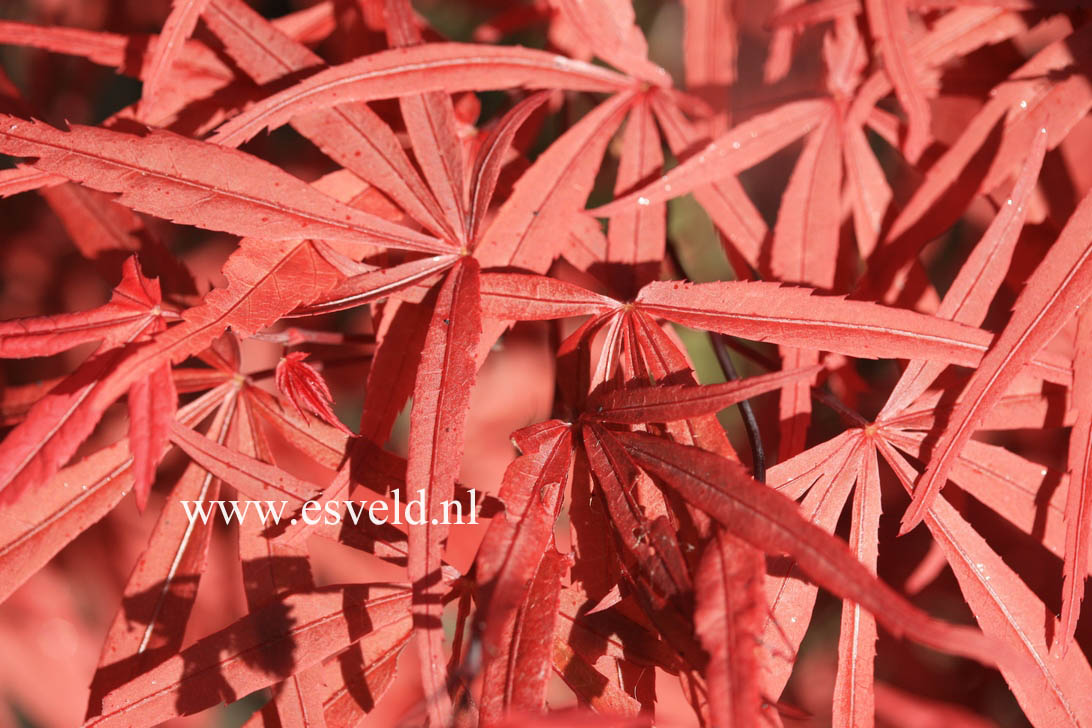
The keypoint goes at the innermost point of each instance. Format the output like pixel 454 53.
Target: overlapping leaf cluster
pixel 476 188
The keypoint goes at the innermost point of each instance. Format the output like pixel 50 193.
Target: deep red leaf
pixel 306 389
pixel 727 620
pixel 445 377
pixel 152 404
pixel 516 678
pixel 773 523
pixel 666 403
pixel 511 549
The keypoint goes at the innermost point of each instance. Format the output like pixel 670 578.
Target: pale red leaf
pixel 1057 108
pixel 794 477
pixel 375 285
pixel 25 178
pixel 794 404
pixel 271 569
pixel 180 25
pixel 266 280
pixel 804 250
pixel 16 401
pixel 1053 292
pixel 448 67
pixel 257 480
pixel 1052 692
pixel 324 444
pixel 798 317
pixel 969 297
pixel 93 221
pixel 955 178
pixel 134 308
pixel 490 159
pixel 360 676
pixel 56 425
pixel 866 182
pixel 1011 485
pixel 161 590
pixel 710 45
pixel 738 149
pixel 854 691
pixel 727 203
pixel 522 297
pixel 781 45
pixel 394 366
pixel 103 230
pixel 282 639
pixel 829 471
pixel 196 183
pixel 430 124
pixel 107 49
pixel 890 26
pixel 904 710
pixel 1078 506
pixel 524 232
pixel 576 719
pixel 635 239
pixel 352 135
pixel 36 529
pixel 609 29
pixel 312 24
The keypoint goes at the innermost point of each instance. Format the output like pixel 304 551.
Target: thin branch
pixel 750 422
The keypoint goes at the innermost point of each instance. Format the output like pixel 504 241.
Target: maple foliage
pixel 689 312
